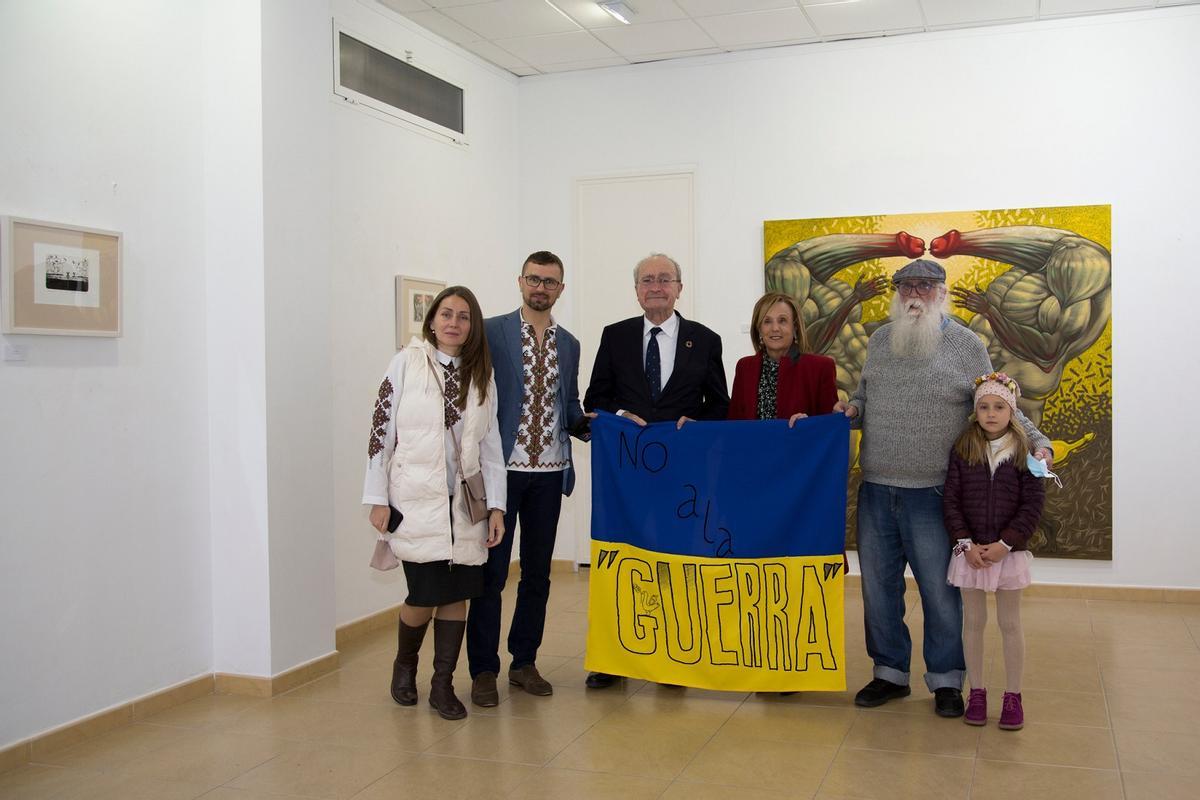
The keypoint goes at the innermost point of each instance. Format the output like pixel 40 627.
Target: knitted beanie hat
pixel 999 384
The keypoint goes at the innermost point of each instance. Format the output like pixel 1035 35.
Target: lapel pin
pixel 688 343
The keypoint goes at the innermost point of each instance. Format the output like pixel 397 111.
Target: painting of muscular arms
pixel 1035 284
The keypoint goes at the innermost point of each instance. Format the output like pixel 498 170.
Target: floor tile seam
pixel 1046 764
pixel 735 786
pixel 1050 763
pixel 557 752
pixel 706 742
pixel 521 783
pixel 227 784
pixel 483 759
pixel 1192 632
pixel 858 715
pixel 288 739
pixel 906 752
pixel 268 792
pixel 367 703
pixel 1039 724
pixel 1148 669
pixel 122 764
pixel 582 771
pixel 1025 688
pixel 1066 725
pixel 63 766
pixel 1113 732
pixel 975 765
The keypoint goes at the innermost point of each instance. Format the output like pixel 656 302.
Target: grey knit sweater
pixel 912 409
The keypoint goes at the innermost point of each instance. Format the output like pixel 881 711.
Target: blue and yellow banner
pixel 717 553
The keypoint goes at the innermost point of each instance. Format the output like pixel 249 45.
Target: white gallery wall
pixel 298 266
pixel 1098 110
pixel 185 499
pixel 404 202
pixel 105 586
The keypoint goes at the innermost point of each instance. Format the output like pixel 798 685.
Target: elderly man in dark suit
pixel 536 365
pixel 658 366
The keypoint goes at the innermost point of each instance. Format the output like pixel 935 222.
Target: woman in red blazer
pixel 781 380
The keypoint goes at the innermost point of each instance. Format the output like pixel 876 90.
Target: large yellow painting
pixel 1035 284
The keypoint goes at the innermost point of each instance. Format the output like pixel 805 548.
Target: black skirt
pixel 439 583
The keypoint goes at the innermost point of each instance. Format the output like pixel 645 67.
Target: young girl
pixel 992 505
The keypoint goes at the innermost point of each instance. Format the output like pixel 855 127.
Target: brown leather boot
pixel 404 668
pixel 447 642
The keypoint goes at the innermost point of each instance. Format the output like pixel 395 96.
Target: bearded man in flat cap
pixel 914 396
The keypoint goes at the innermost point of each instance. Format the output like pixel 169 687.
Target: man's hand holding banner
pixel 717 553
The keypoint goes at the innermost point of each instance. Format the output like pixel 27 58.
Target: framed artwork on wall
pixel 414 298
pixel 1034 284
pixel 58 279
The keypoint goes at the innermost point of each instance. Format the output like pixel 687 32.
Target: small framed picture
pixel 58 279
pixel 414 299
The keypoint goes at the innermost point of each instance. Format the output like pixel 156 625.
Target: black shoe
pixel 600 680
pixel 948 702
pixel 879 691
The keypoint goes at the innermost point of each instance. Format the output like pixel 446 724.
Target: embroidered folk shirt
pixel 538 446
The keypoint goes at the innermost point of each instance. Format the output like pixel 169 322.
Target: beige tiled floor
pixel 1112 699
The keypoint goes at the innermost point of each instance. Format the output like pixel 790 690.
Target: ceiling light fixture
pixel 828 3
pixel 619 11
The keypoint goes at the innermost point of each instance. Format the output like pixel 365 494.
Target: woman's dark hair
pixel 476 360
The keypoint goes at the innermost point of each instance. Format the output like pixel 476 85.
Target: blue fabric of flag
pixel 738 489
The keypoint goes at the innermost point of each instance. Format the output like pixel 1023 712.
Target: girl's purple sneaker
pixel 976 707
pixel 1012 716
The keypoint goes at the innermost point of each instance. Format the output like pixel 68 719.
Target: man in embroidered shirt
pixel 679 376
pixel 916 391
pixel 536 363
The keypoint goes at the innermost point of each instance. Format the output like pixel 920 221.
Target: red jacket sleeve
pixel 743 396
pixel 826 393
pixel 956 524
pixel 1022 526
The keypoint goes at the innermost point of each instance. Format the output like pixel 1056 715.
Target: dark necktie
pixel 654 366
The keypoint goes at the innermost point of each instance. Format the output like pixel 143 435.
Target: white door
pixel 619 221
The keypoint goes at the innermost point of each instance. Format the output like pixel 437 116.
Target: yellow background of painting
pixel 1093 222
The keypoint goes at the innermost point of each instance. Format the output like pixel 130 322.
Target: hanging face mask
pixel 1038 469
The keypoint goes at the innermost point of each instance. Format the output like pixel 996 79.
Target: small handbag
pixel 476 499
pixel 383 558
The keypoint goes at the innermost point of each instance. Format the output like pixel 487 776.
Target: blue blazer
pixel 504 342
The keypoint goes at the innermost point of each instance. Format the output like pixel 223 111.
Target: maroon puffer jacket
pixel 984 508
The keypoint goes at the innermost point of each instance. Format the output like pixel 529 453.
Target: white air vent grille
pixel 367 75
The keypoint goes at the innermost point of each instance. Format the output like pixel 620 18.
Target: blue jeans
pixel 536 499
pixel 904 526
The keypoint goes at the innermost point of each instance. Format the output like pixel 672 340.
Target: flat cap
pixel 921 269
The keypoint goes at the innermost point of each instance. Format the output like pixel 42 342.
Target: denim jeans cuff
pixel 942 680
pixel 891 675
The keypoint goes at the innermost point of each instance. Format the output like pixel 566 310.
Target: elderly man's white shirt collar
pixel 670 327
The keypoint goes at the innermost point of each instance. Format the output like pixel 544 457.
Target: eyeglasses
pixel 910 288
pixel 660 280
pixel 536 280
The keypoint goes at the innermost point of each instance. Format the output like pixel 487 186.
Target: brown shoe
pixel 529 679
pixel 483 690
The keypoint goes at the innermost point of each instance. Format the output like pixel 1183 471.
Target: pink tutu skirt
pixel 1011 573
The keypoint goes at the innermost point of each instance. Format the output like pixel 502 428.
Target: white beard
pixel 916 326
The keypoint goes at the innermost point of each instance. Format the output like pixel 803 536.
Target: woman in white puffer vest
pixel 434 427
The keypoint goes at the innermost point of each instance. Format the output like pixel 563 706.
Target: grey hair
pixel 674 263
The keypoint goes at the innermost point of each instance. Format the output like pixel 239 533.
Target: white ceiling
pixel 530 37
